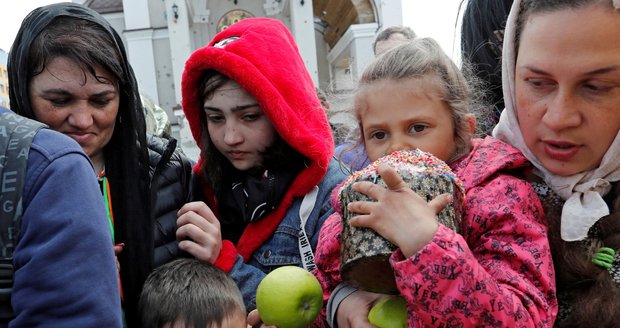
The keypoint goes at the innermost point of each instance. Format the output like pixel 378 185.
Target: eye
pixel 597 87
pixel 101 102
pixel 539 83
pixel 250 117
pixel 60 101
pixel 417 128
pixel 215 118
pixel 379 135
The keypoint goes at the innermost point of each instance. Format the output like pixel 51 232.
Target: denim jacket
pixel 283 247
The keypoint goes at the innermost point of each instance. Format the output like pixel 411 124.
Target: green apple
pixel 389 312
pixel 289 297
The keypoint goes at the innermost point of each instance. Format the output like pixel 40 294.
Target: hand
pixel 198 231
pixel 353 310
pixel 399 214
pixel 254 319
pixel 118 248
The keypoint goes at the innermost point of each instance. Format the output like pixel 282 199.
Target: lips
pixel 80 137
pixel 237 155
pixel 560 150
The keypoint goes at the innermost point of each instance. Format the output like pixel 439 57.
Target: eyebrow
pixel 234 109
pixel 67 93
pixel 422 119
pixel 597 71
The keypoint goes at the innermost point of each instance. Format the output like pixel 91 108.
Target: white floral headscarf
pixel 583 192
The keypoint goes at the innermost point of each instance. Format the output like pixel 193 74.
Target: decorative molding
pixel 198 11
pixel 273 7
pixel 353 32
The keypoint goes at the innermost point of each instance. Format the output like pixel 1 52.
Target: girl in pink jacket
pixel 498 271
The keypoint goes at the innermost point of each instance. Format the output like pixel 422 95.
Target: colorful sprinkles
pixel 409 160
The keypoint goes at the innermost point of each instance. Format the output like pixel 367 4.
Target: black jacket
pixel 171 187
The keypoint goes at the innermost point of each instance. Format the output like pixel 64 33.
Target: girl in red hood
pixel 266 163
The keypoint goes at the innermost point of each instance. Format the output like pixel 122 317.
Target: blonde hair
pixel 420 58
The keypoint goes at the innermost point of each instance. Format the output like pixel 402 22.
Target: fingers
pixel 253 318
pixel 361 207
pixel 202 236
pixel 369 189
pixel 353 310
pixel 203 252
pixel 203 244
pixel 391 177
pixel 195 218
pixel 198 231
pixel 118 248
pixel 440 202
pixel 202 213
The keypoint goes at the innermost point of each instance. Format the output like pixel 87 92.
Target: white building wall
pixel 158 44
pixel 390 12
pixel 302 20
pixel 141 56
pixel 135 11
pixel 139 36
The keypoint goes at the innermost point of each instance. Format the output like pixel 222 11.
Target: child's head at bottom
pixel 414 96
pixel 187 293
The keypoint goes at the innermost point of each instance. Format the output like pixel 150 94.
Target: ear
pixel 470 120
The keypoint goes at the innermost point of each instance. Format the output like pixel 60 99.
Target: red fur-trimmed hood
pixel 260 54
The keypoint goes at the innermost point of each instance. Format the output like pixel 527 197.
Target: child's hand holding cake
pixel 396 202
pixel 399 214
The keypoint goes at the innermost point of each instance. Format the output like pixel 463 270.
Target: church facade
pixel 334 37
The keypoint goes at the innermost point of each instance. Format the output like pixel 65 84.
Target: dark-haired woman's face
pixel 567 84
pixel 76 104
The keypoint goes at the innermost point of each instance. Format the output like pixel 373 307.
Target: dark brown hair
pixel 81 41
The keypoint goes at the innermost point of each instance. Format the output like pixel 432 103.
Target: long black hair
pixel 481 44
pixel 85 37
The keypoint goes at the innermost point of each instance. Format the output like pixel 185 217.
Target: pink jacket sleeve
pixel 498 273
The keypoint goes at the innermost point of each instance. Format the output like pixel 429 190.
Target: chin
pixel 563 170
pixel 244 166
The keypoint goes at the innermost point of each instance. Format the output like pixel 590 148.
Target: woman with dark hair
pixel 482 33
pixel 68 69
pixel 562 91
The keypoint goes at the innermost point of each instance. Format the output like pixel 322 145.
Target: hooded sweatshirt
pixel 260 54
pixel 65 275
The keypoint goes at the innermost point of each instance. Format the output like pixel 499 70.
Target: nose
pixel 399 142
pixel 563 111
pixel 81 117
pixel 232 134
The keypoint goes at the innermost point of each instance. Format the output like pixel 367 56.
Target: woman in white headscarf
pixel 561 80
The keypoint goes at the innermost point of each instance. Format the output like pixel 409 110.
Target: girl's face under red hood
pixel 237 126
